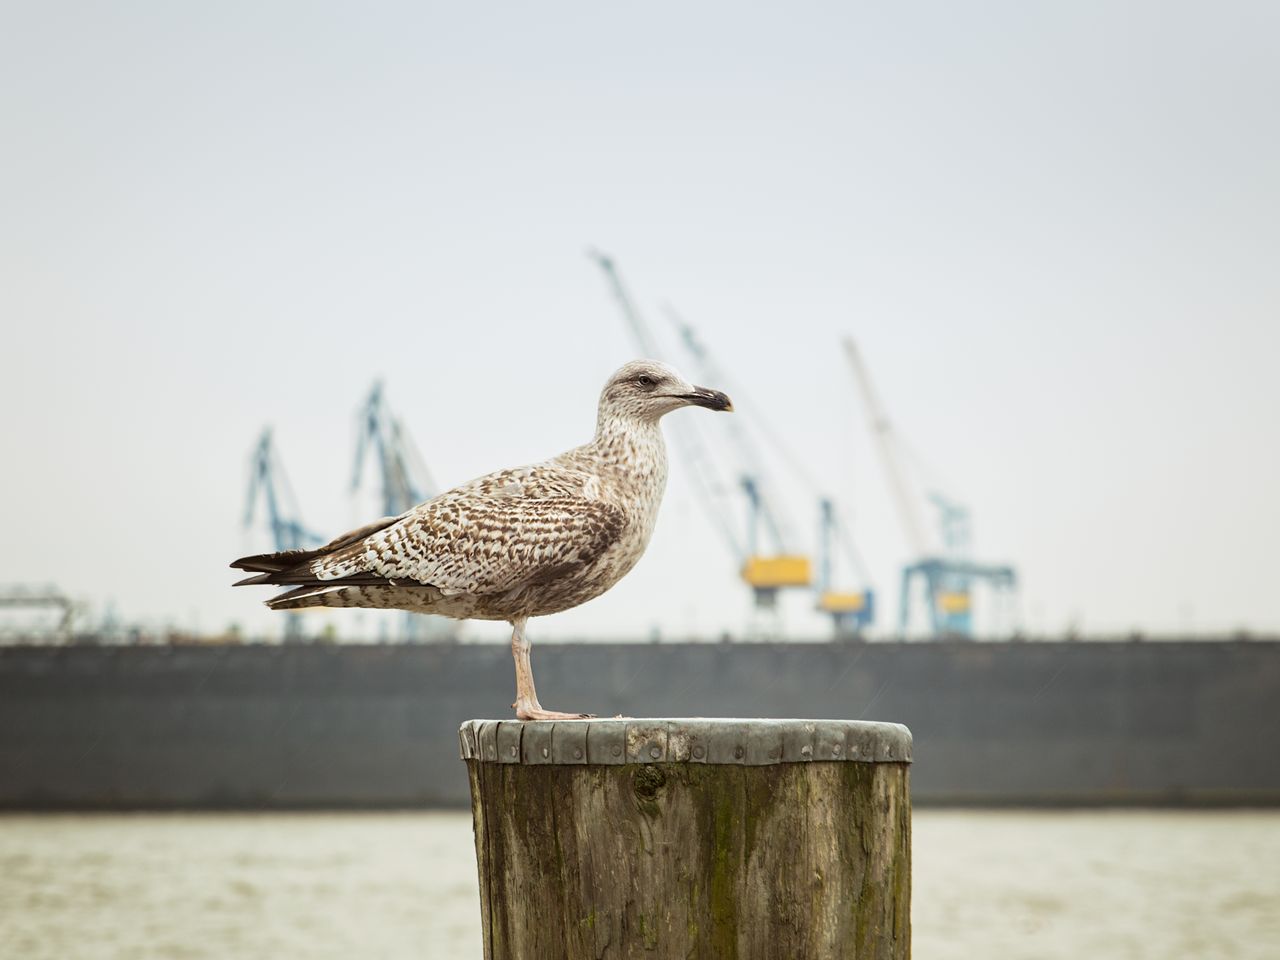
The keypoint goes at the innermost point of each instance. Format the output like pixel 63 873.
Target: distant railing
pixel 17 596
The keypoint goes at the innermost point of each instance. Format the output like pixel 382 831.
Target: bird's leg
pixel 527 706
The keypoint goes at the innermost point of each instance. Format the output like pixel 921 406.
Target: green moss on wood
pixel 679 860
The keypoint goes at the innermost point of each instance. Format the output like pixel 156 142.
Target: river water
pixel 990 885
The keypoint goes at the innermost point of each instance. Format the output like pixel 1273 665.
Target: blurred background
pixel 992 287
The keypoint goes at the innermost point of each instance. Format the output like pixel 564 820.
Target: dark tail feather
pixel 276 562
pixel 287 561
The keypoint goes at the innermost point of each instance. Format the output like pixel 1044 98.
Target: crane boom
pixel 755 480
pixel 406 482
pixel 639 329
pixel 267 476
pixel 706 481
pixel 882 430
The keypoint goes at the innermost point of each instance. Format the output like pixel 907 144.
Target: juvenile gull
pixel 515 544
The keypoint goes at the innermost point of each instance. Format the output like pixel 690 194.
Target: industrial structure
pixel 268 483
pixel 403 475
pixel 704 473
pixel 939 579
pixel 1187 722
pixel 403 482
pixel 851 611
pixel 47 597
pixel 947 575
pixel 774 564
pixel 768 562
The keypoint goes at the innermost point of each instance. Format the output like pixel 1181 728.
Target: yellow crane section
pixel 954 602
pixel 782 570
pixel 833 601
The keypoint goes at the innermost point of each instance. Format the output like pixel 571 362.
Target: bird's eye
pixel 645 380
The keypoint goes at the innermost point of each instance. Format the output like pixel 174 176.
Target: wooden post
pixel 716 839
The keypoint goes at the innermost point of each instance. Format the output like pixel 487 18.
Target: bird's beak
pixel 711 399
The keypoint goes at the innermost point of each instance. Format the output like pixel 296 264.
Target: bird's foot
pixel 534 711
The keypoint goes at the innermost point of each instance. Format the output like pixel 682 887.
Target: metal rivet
pixel 738 753
pixel 617 750
pixel 655 751
pixel 836 750
pixel 515 751
pixel 577 754
pixel 698 752
pixel 806 750
pixel 546 752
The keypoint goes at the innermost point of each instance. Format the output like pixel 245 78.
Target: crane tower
pixel 268 482
pixel 948 574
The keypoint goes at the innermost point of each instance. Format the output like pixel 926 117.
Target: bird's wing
pixel 477 543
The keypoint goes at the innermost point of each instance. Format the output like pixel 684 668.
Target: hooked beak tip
pixel 711 399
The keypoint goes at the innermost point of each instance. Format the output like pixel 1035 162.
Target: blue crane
pixel 268 482
pixel 404 479
pixel 775 565
pixel 949 580
pixel 851 611
pixel 707 483
pixel 948 574
pixel 764 572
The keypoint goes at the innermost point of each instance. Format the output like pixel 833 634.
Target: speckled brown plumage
pixel 518 543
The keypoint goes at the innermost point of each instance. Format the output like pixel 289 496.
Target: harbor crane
pixel 268 482
pixel 766 573
pixel 947 575
pixel 783 567
pixel 707 483
pixel 404 476
pixel 851 611
pixel 404 482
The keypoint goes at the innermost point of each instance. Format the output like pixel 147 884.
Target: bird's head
pixel 647 389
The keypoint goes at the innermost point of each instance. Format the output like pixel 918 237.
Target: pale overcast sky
pixel 1054 229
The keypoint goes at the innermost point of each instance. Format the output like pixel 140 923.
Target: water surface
pixel 987 885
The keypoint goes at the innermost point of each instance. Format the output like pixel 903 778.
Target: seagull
pixel 515 544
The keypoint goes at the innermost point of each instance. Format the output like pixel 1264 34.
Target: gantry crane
pixel 268 482
pixel 782 567
pixel 405 482
pixel 765 570
pixel 948 575
pixel 851 611
pixel 404 476
pixel 708 485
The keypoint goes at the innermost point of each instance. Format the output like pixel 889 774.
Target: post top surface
pixel 746 742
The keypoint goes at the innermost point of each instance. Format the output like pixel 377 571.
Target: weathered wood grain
pixel 717 861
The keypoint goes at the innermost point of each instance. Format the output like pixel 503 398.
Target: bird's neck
pixel 631 445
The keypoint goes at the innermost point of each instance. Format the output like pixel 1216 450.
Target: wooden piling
pixel 716 839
